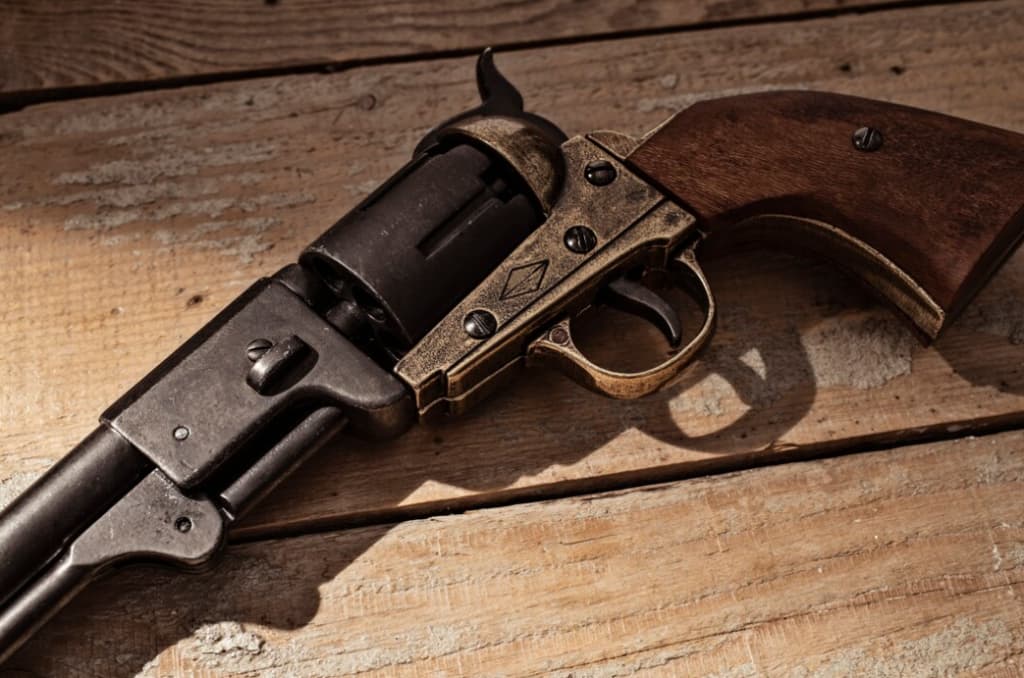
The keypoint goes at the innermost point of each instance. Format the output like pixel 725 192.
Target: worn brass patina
pixel 536 160
pixel 543 284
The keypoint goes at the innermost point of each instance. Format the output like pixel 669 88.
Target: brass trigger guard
pixel 556 347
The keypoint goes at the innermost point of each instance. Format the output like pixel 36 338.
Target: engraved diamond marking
pixel 524 279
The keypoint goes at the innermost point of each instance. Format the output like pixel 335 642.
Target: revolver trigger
pixel 632 297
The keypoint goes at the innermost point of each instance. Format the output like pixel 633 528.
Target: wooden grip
pixel 925 218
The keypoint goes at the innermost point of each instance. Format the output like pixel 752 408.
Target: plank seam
pixel 644 480
pixel 17 100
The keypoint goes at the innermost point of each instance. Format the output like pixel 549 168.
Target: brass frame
pixel 543 283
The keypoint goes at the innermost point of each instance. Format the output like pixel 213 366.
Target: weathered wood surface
pixel 46 45
pixel 126 222
pixel 905 562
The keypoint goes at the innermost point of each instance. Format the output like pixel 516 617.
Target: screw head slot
pixel 256 348
pixel 480 324
pixel 867 139
pixel 580 239
pixel 600 173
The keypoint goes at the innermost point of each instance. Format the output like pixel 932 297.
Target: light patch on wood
pixel 705 398
pixel 185 162
pixel 859 350
pixel 676 102
pixel 245 245
pixel 964 647
pixel 225 644
pixel 15 484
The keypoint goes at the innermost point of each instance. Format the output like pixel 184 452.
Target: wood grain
pixel 45 45
pixel 905 562
pixel 126 222
pixel 791 154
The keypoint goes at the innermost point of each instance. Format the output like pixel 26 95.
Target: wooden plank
pixel 103 42
pixel 125 222
pixel 905 562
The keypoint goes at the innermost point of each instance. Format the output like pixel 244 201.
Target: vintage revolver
pixel 470 263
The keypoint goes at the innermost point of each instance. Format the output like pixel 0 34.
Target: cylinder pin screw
pixel 183 524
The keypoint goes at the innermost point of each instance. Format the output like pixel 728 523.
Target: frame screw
pixel 580 239
pixel 480 324
pixel 181 433
pixel 256 348
pixel 183 524
pixel 867 139
pixel 600 173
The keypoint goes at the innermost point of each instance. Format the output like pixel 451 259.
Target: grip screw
pixel 867 139
pixel 480 324
pixel 181 433
pixel 600 173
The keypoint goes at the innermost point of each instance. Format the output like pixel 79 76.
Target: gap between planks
pixel 616 482
pixel 12 100
pixel 905 562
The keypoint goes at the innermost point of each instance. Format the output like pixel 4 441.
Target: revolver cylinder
pixel 401 259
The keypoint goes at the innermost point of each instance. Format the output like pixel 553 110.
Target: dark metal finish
pixel 498 97
pixel 348 318
pixel 867 139
pixel 478 184
pixel 480 324
pixel 306 285
pixel 580 239
pixel 600 173
pixel 288 364
pixel 256 348
pixel 204 386
pixel 297 445
pixel 148 527
pixel 631 296
pixel 284 362
pixel 57 507
pixel 471 211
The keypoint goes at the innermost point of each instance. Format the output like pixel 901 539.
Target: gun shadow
pixel 119 625
pixel 985 345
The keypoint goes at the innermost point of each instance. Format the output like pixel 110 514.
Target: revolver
pixel 470 264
